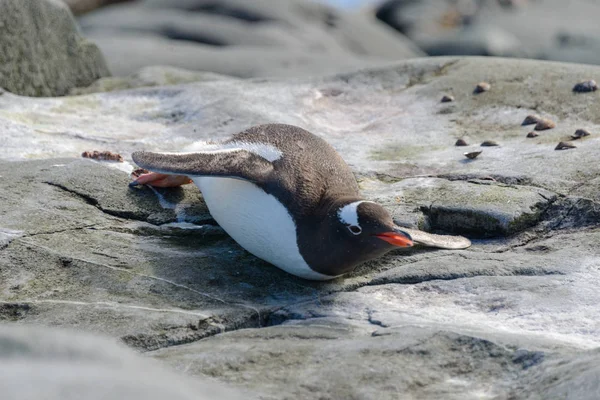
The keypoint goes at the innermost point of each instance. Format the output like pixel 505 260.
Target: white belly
pixel 257 221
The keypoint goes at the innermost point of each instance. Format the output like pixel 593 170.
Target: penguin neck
pixel 320 242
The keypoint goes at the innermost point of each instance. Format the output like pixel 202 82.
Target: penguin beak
pixel 397 238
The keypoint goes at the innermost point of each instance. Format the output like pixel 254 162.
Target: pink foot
pixel 161 180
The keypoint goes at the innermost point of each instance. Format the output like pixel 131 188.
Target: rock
pixel 531 119
pixel 427 358
pixel 472 154
pixel 78 248
pixel 480 344
pixel 127 53
pixel 499 28
pixel 474 207
pixel 359 34
pixel 412 17
pixel 66 365
pixel 557 41
pixel 49 60
pixel 269 37
pixel 482 87
pixel 84 6
pixel 149 76
pixel 475 41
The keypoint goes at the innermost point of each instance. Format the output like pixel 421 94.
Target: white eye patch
pixel 348 215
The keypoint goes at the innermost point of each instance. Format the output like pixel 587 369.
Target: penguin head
pixel 370 227
pixel 353 232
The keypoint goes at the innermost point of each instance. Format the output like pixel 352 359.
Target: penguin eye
pixel 356 230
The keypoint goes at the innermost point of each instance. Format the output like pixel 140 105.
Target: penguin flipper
pixel 231 163
pixel 447 242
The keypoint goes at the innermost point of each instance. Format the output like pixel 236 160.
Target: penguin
pixel 286 196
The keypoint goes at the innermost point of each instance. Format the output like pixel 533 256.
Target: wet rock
pixel 49 60
pixel 566 377
pixel 461 142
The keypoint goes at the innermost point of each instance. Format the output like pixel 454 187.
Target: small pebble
pixel 579 133
pixel 532 134
pixel 531 119
pixel 586 86
pixel 472 154
pixel 482 87
pixel 461 142
pixel 447 98
pixel 102 155
pixel 489 143
pixel 544 124
pixel 564 146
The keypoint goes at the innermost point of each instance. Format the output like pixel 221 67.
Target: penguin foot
pixel 160 180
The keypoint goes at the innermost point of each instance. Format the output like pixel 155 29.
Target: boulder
pixel 264 38
pixel 43 52
pixel 126 53
pixel 512 316
pixel 524 29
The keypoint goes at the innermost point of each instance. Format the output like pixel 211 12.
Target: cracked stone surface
pixel 514 316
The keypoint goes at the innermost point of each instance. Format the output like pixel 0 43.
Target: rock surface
pixel 65 365
pixel 42 51
pixel 514 316
pixel 242 38
pixel 500 28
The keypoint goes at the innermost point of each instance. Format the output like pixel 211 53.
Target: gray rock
pixel 298 37
pixel 128 52
pixel 478 40
pixel 53 364
pixel 503 319
pixel 341 360
pixel 205 28
pixel 43 53
pixel 360 34
pixel 532 29
pixel 474 207
pixel 149 76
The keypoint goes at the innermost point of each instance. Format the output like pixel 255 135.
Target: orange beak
pixel 399 239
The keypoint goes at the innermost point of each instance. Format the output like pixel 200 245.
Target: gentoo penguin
pixel 286 196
